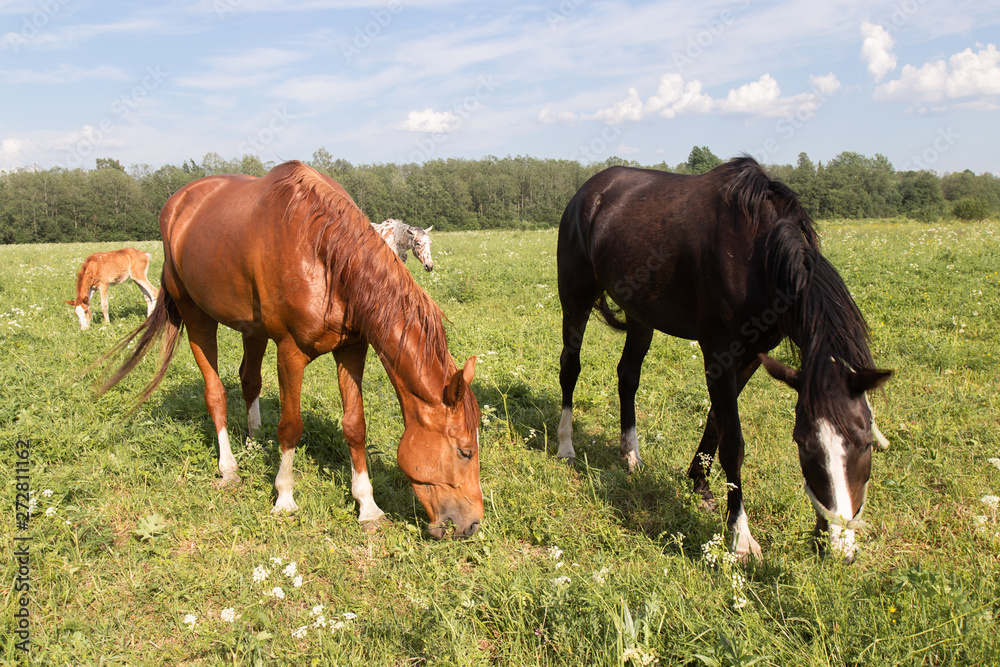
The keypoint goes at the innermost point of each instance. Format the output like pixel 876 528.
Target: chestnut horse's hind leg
pixel 350 368
pixel 201 336
pixel 291 367
pixel 148 293
pixel 253 356
pixel 637 341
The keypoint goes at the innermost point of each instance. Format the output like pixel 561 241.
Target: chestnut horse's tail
pixel 164 322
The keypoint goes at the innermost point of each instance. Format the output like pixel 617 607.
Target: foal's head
pixel 834 434
pixel 439 452
pixel 82 309
pixel 420 240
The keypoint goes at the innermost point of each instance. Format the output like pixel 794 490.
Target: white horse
pixel 402 237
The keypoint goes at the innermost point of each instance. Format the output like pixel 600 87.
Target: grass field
pixel 135 559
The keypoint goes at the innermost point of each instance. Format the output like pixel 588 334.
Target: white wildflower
pixel 299 632
pixel 50 512
pixel 47 493
pixel 991 501
pixel 228 614
pixel 260 574
pixel 290 569
pixel 297 581
pixel 275 559
pixel 277 592
pixel 349 615
pixel 320 621
pixel 995 462
pixel 555 553
pixel 317 610
pixel 190 619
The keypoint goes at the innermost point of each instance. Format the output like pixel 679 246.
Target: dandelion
pixel 300 632
pixel 47 493
pixel 50 512
pixel 290 570
pixel 260 574
pixel 228 614
pixel 190 619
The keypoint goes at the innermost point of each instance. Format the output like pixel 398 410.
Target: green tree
pixel 701 159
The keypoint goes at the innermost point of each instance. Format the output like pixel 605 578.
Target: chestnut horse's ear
pixel 71 303
pixel 779 371
pixel 455 390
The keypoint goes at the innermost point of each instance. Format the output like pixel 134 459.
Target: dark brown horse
pixel 730 259
pixel 290 258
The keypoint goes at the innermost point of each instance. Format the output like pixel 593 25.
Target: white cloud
pixel 966 76
pixel 63 74
pixel 625 150
pixel 428 120
pixel 12 153
pixel 675 97
pixel 876 50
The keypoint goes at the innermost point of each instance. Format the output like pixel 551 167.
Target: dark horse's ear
pixel 455 390
pixel 779 371
pixel 867 379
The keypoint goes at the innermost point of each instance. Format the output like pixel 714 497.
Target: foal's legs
pixel 253 355
pixel 148 293
pixel 201 336
pixel 103 289
pixel 291 366
pixel 637 341
pixel 350 368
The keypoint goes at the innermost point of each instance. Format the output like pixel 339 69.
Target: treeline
pixel 110 203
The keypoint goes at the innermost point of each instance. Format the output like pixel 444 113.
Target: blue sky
pixel 401 81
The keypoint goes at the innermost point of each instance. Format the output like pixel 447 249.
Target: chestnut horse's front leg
pixel 350 369
pixel 291 367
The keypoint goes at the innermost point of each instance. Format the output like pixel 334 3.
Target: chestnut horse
pixel 103 269
pixel 289 257
pixel 730 259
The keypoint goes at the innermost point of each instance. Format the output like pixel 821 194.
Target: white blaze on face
pixel 841 539
pixel 82 315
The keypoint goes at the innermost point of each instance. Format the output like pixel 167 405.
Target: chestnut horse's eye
pixel 466 453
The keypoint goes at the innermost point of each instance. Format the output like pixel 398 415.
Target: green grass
pixel 572 566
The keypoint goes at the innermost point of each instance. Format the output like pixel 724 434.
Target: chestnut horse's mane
pixel 380 294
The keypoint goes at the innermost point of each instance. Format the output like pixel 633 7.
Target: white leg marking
pixel 227 462
pixel 629 448
pixel 836 465
pixel 84 320
pixel 253 417
pixel 566 435
pixel 361 489
pixel 742 542
pixel 283 484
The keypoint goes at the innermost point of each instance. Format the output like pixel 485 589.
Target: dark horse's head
pixel 835 445
pixel 833 421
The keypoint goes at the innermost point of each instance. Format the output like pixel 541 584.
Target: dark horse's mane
pixel 379 292
pixel 822 322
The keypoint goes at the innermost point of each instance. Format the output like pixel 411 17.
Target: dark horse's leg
pixel 578 291
pixel 253 355
pixel 724 391
pixel 637 340
pixel 702 461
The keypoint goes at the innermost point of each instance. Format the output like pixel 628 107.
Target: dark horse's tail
pixel 610 316
pixel 164 322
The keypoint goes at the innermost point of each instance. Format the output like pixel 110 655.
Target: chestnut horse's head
pixel 439 452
